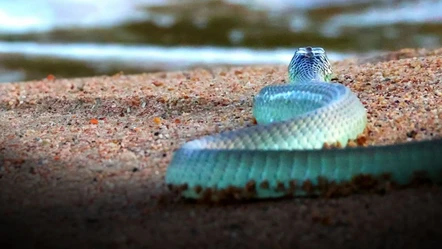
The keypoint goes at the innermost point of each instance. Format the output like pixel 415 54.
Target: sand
pixel 83 160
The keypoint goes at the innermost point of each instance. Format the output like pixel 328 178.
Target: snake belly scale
pixel 283 155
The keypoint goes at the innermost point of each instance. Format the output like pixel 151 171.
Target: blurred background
pixel 77 38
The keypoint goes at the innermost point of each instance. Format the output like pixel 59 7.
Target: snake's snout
pixel 310 51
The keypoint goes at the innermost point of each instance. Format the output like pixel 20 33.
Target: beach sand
pixel 83 160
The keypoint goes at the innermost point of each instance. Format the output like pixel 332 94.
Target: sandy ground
pixel 83 161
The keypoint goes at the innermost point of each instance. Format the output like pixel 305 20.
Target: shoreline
pixel 92 153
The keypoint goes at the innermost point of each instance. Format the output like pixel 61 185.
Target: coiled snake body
pixel 284 154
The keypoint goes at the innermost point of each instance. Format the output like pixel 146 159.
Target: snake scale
pixel 284 154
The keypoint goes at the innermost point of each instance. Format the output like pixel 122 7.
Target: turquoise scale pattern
pixel 285 149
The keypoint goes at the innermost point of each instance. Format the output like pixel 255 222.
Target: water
pixel 75 38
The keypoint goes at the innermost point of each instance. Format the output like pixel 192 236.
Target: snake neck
pixel 309 77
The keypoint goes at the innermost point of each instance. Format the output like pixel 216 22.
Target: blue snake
pixel 284 154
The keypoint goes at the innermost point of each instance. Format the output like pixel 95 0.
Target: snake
pixel 285 154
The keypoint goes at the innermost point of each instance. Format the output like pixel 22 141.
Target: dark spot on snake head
pixel 309 52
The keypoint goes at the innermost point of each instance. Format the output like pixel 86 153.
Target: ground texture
pixel 82 161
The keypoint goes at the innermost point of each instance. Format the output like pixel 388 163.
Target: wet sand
pixel 83 160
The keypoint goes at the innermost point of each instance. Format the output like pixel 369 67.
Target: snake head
pixel 309 64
